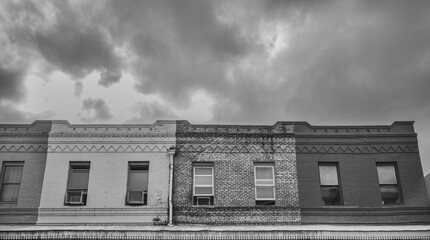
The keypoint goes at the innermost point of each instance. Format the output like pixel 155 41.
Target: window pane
pixel 12 174
pixel 138 180
pixel 203 171
pixel 10 193
pixel 265 192
pixel 79 179
pixel 203 190
pixel 203 180
pixel 328 175
pixel 264 173
pixel 387 174
pixel 330 195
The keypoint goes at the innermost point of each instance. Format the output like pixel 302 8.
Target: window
pixel 390 191
pixel 330 190
pixel 77 186
pixel 137 187
pixel 11 181
pixel 264 184
pixel 203 187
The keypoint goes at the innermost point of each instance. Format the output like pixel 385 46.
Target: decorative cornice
pixel 165 233
pixel 355 136
pixel 113 135
pixel 279 127
pixel 24 135
pixel 357 149
pixel 236 148
pixel 85 148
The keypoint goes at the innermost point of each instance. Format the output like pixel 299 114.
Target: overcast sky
pixel 249 62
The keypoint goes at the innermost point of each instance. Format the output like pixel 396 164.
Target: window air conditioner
pixel 76 197
pixel 136 197
pixel 203 201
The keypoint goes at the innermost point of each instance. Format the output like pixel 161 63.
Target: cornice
pixel 24 135
pixel 87 148
pixel 355 136
pixel 357 149
pixel 236 148
pixel 112 135
pixel 170 234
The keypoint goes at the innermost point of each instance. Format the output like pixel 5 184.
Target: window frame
pixel 273 185
pixel 3 170
pixel 199 195
pixel 143 164
pixel 397 185
pixel 338 186
pixel 84 191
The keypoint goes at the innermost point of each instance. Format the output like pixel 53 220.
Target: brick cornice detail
pixel 85 148
pixel 214 148
pixel 357 149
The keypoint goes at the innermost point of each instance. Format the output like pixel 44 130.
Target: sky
pixel 224 62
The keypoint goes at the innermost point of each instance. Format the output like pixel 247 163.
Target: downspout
pixel 171 153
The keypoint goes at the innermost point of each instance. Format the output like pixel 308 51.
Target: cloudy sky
pixel 250 62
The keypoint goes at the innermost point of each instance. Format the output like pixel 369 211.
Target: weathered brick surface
pixel 233 150
pixel 357 150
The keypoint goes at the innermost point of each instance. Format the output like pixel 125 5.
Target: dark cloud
pixel 65 38
pixel 94 110
pixel 326 62
pixel 147 112
pixel 11 84
pixel 345 61
pixel 107 78
pixel 183 49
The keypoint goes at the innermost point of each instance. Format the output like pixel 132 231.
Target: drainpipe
pixel 171 153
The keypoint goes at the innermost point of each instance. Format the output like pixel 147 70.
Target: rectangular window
pixel 77 186
pixel 137 187
pixel 203 184
pixel 264 184
pixel 388 185
pixel 330 190
pixel 11 181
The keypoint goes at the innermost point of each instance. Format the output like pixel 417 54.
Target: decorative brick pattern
pixel 233 150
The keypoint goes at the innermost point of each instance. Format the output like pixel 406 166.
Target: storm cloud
pixel 326 62
pixel 95 110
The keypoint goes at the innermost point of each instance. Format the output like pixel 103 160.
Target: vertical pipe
pixel 171 153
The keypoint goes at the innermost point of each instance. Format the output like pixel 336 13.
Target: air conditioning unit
pixel 76 197
pixel 203 201
pixel 136 197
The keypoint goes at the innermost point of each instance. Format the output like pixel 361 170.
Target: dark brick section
pixel 233 150
pixel 238 215
pixel 357 150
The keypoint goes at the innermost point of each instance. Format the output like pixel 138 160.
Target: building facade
pixel 235 174
pixel 175 172
pixel 84 174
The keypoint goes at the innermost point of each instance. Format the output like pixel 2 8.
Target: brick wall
pixel 357 150
pixel 233 150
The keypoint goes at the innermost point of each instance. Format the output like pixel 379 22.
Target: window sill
pixel 8 204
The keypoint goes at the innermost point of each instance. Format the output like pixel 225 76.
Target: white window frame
pixel 137 164
pixel 264 185
pixel 194 180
